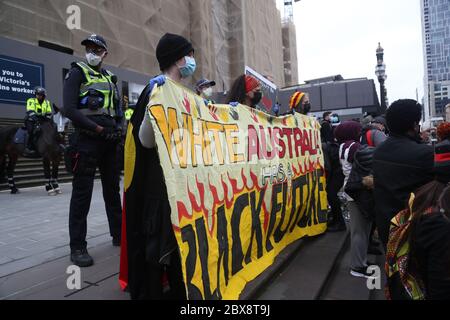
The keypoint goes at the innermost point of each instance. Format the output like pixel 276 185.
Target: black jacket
pixel 432 240
pixel 400 166
pixel 326 132
pixel 149 232
pixel 362 167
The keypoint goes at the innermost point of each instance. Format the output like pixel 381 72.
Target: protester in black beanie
pixel 170 49
pixel 152 251
pixel 401 164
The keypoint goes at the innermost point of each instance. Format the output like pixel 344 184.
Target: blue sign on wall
pixel 18 78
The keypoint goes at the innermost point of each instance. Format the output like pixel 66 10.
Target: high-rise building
pixel 436 38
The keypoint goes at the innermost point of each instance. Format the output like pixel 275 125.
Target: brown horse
pixel 48 146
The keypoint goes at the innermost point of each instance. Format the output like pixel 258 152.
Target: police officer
pixel 38 109
pixel 92 103
pixel 204 88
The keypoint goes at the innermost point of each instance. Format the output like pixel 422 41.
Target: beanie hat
pixel 366 121
pixel 442 161
pixel 402 115
pixel 296 99
pixel 171 48
pixel 348 131
pixel 380 120
pixel 250 83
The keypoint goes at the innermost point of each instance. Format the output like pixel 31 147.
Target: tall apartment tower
pixel 436 38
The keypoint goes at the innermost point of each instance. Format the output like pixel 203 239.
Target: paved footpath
pixel 34 247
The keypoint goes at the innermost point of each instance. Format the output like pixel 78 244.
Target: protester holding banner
pixel 150 249
pixel 245 90
pixel 210 216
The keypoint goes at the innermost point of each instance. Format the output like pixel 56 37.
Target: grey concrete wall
pixel 227 34
pixel 340 95
pixel 263 39
pixel 290 54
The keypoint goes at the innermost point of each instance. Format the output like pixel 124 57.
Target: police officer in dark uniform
pixel 92 103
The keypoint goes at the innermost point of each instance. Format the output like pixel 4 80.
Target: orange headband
pixel 250 83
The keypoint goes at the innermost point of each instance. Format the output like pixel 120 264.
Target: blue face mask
pixel 189 68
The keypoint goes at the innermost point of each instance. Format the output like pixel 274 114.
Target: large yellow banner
pixel 242 185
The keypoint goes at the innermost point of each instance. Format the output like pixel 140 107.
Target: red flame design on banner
pixel 212 112
pixel 187 103
pixel 253 115
pixel 199 206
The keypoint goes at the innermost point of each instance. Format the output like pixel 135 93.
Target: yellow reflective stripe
pixel 41 109
pixel 102 84
pixel 99 86
pixel 31 105
pixel 129 114
pixel 48 107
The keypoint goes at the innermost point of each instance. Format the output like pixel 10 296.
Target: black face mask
pixel 257 96
pixel 306 108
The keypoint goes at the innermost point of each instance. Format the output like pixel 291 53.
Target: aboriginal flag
pixel 149 252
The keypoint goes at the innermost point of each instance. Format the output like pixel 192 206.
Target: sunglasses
pixel 97 51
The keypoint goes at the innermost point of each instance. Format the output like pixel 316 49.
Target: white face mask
pixel 208 92
pixel 93 59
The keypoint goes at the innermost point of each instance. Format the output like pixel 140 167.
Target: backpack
pixel 369 138
pixel 401 285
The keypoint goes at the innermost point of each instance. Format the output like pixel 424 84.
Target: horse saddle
pixel 21 136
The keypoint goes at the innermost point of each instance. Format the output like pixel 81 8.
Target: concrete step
pixel 343 286
pixel 301 271
pixel 35 174
pixel 36 182
pixel 21 171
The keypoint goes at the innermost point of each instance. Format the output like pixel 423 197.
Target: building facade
pixel 348 98
pixel 227 35
pixel 436 38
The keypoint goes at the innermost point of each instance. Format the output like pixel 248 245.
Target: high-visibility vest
pixel 101 83
pixel 129 114
pixel 40 109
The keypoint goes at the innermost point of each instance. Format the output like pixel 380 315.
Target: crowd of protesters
pixel 396 188
pixel 379 166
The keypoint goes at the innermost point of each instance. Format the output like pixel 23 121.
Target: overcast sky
pixel 341 36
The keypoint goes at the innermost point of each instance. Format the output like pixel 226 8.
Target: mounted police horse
pixel 13 141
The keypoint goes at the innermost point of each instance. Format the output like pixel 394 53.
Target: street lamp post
pixel 380 72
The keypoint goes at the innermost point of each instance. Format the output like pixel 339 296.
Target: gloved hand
pixel 159 80
pixel 276 108
pixel 84 101
pixel 234 104
pixel 110 134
